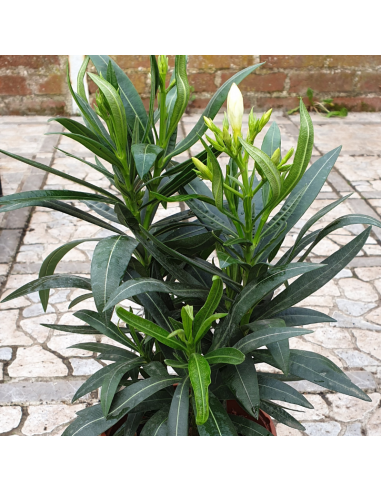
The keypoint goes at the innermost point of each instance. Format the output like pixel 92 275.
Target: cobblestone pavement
pixel 39 375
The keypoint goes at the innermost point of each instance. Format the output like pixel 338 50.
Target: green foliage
pixel 205 326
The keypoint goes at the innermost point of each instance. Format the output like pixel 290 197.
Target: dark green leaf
pixel 272 140
pixel 81 330
pixel 144 285
pixel 57 281
pixel 179 411
pixel 268 335
pixel 157 424
pixel 225 355
pixel 218 423
pixel 131 396
pixel 252 294
pixel 313 281
pixel 243 383
pixel 106 327
pixel 112 379
pixel 247 427
pixel 281 415
pixel 272 389
pixel 145 156
pixel 52 170
pixel 321 371
pixel 90 422
pixel 108 265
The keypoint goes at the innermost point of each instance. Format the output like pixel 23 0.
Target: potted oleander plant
pixel 187 366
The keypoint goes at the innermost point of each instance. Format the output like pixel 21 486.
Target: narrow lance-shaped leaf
pixel 130 397
pixel 138 286
pixel 110 260
pixel 56 281
pixel 132 102
pixel 145 156
pixel 312 281
pixel 179 411
pixel 51 261
pixel 111 382
pixel 199 374
pixel 226 355
pixel 303 152
pixel 52 170
pixel 242 381
pixel 115 105
pixel 252 294
pixel 267 167
pixel 157 424
pixel 183 92
pixel 248 428
pixel 148 328
pixel 218 423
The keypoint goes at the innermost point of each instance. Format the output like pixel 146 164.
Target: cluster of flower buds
pixel 256 125
pixel 223 140
pixel 203 172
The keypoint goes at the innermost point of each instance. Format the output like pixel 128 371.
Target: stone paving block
pixel 5 353
pixel 60 344
pixel 354 308
pixel 369 342
pixel 363 379
pixel 85 367
pixel 9 333
pixel 343 321
pixel 374 424
pixel 355 358
pixel 346 408
pixel 36 392
pixel 36 362
pixel 357 290
pixel 10 418
pixel 16 219
pixel 319 412
pixel 1 371
pixel 45 419
pixel 282 431
pixel 353 430
pixel 329 429
pixel 34 328
pixel 9 241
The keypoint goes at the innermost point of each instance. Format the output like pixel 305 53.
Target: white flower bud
pixel 235 110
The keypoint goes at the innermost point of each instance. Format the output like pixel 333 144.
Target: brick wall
pixel 36 84
pixel 33 84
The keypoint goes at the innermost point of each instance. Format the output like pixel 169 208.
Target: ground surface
pixel 39 375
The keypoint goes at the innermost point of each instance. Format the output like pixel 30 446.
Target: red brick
pixel 132 61
pixel 292 61
pixel 370 82
pixel 29 61
pixel 216 62
pixel 271 82
pixel 12 85
pixel 55 84
pixel 202 82
pixel 267 103
pixel 359 103
pixel 198 103
pixel 139 80
pixel 343 61
pixel 321 82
